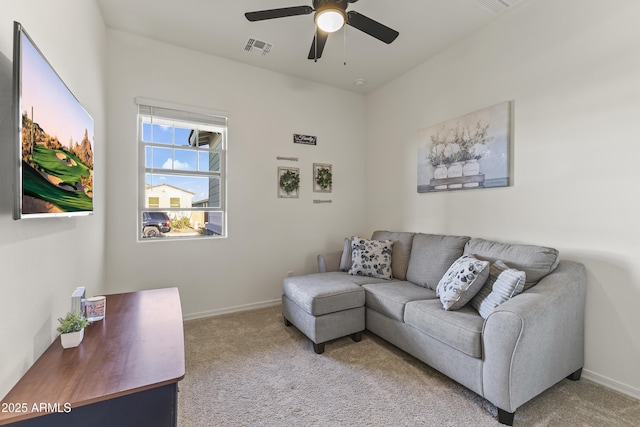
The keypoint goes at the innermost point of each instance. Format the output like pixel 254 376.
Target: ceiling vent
pixel 257 46
pixel 498 6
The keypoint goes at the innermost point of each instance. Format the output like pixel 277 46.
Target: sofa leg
pixel 357 336
pixel 505 417
pixel 286 322
pixel 318 348
pixel 576 375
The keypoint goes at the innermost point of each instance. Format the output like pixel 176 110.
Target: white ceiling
pixel 218 27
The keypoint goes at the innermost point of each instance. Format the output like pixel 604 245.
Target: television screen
pixel 54 171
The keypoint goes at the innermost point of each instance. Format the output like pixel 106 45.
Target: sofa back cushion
pixel 535 261
pixel 401 250
pixel 431 257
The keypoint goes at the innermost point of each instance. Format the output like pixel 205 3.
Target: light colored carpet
pixel 248 369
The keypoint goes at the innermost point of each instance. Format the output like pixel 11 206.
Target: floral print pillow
pixel 371 258
pixel 462 282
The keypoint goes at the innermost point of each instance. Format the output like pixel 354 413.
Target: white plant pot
pixel 440 172
pixel 471 167
pixel 72 339
pixel 454 170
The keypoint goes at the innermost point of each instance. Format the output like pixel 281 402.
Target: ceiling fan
pixel 330 16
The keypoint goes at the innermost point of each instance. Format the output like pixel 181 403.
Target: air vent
pixel 257 46
pixel 498 6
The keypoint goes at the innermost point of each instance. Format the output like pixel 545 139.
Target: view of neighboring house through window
pixel 182 173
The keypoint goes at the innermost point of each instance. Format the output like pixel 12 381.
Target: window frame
pixel 183 117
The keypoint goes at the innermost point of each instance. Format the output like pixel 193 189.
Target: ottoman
pixel 323 308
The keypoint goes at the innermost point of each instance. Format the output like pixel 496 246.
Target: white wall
pixel 572 69
pixel 267 236
pixel 44 260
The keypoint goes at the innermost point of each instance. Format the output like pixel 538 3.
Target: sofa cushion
pixel 389 298
pixel 462 281
pixel 460 329
pixel 323 293
pixel 535 261
pixel 503 284
pixel 371 258
pixel 402 242
pixel 336 277
pixel 431 257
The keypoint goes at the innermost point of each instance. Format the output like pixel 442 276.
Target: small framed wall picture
pixel 322 178
pixel 288 182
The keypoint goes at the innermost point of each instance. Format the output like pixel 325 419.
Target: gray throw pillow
pixel 462 281
pixel 371 258
pixel 345 260
pixel 503 284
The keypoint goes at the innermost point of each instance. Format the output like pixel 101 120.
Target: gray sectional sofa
pixel 514 351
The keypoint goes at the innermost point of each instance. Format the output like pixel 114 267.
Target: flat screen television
pixel 53 138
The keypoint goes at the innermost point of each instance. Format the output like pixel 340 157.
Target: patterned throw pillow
pixel 503 284
pixel 462 281
pixel 371 258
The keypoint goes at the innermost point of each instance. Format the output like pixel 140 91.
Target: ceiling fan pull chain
pixel 344 30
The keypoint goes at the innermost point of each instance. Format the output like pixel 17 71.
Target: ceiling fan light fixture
pixel 330 20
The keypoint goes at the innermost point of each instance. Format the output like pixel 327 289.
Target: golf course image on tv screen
pixel 56 140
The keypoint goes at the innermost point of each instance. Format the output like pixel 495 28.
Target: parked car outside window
pixel 155 223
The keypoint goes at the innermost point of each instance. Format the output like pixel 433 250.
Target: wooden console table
pixel 124 373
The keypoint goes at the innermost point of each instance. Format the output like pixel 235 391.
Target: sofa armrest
pixel 329 261
pixel 536 339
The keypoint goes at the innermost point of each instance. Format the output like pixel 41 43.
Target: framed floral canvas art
pixel 468 152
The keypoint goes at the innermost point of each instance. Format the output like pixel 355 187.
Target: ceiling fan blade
pixel 261 15
pixel 316 51
pixel 371 27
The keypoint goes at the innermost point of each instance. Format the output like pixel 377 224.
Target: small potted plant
pixel 72 329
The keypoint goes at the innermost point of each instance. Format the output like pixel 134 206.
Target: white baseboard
pixel 231 309
pixel 611 383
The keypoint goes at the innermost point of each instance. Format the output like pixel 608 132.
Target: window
pixel 181 173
